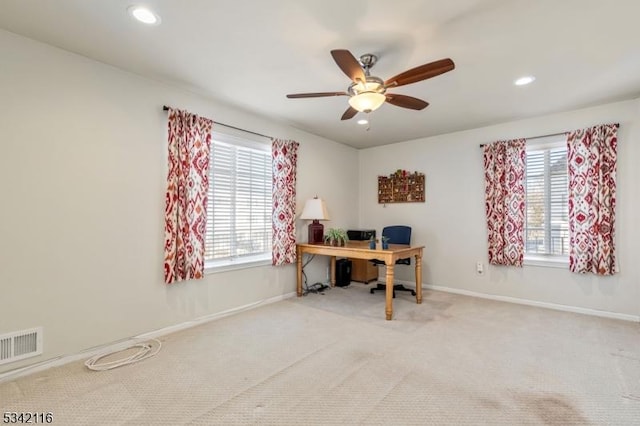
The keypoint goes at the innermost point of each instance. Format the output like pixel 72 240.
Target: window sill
pixel 232 265
pixel 561 262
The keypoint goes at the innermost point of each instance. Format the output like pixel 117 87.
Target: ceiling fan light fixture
pixel 367 101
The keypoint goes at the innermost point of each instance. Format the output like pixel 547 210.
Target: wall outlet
pixel 479 268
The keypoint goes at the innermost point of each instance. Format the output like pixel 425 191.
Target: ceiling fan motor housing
pixel 372 85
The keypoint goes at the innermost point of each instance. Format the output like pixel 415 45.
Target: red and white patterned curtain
pixel 504 173
pixel 592 154
pixel 186 198
pixel 284 160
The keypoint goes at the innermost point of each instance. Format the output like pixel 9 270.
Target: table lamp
pixel 315 210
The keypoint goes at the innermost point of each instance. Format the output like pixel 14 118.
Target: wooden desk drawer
pixel 363 270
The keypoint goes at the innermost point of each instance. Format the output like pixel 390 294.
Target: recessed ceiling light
pixel 362 122
pixel 523 81
pixel 144 15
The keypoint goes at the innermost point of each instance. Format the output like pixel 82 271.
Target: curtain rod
pixel 546 136
pixel 166 108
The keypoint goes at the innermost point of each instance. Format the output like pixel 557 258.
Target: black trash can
pixel 343 272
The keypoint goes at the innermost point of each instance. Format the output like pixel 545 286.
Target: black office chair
pixel 397 234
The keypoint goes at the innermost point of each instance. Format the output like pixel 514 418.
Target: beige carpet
pixel 332 359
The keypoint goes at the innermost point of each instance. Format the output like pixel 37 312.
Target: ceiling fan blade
pixel 349 64
pixel 316 95
pixel 349 113
pixel 420 73
pixel 406 101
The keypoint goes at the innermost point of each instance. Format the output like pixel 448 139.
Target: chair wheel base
pixel 396 287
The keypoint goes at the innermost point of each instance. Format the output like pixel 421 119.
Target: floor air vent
pixel 20 345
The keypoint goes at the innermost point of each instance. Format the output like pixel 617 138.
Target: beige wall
pixel 451 223
pixel 83 170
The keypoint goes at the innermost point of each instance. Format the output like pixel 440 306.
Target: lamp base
pixel 316 232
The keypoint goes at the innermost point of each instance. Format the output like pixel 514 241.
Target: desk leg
pixel 333 271
pixel 299 268
pixel 419 278
pixel 388 309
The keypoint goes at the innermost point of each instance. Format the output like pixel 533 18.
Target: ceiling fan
pixel 367 93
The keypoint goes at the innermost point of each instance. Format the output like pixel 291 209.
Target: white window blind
pixel 239 226
pixel 547 206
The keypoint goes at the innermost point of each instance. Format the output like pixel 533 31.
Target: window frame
pixel 545 259
pixel 244 140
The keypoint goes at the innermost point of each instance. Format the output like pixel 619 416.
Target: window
pixel 239 226
pixel 547 206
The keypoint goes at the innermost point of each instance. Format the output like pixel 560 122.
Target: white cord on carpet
pixel 145 351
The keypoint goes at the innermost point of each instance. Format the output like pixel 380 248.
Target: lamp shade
pixel 315 209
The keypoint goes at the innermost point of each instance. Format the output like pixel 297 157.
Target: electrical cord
pixel 314 288
pixel 145 350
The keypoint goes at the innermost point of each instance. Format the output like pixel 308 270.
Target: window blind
pixel 239 203
pixel 547 208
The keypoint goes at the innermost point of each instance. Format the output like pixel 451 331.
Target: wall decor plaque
pixel 401 186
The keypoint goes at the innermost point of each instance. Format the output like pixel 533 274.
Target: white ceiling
pixel 250 54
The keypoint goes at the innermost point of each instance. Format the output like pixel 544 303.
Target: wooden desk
pixel 361 250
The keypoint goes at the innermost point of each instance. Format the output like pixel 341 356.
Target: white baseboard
pixel 557 307
pixel 126 343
